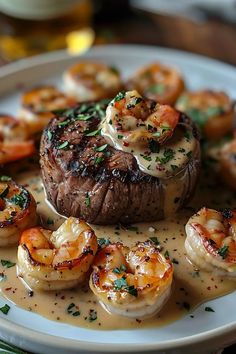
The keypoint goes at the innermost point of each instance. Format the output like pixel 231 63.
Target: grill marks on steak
pixel 106 190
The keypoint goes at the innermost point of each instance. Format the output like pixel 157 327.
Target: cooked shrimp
pixel 227 159
pixel 38 104
pixel 13 143
pixel 89 81
pixel 134 120
pixel 157 82
pixel 212 111
pixel 17 211
pixel 56 260
pixel 211 241
pixel 133 282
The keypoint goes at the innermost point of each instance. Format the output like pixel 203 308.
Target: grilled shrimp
pixel 212 111
pixel 157 82
pixel 134 120
pixel 89 81
pixel 38 104
pixel 227 159
pixel 17 211
pixel 133 282
pixel 13 140
pixel 211 241
pixel 56 260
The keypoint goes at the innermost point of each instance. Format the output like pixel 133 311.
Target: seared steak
pixel 85 177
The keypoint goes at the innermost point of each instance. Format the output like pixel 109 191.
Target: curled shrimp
pixel 133 120
pixel 157 82
pixel 212 111
pixel 133 282
pixel 17 211
pixel 227 163
pixel 38 105
pixel 13 140
pixel 211 241
pixel 56 260
pixel 90 81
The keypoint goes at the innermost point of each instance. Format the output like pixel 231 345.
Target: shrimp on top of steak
pixel 157 82
pixel 133 120
pixel 133 282
pixel 17 211
pixel 38 105
pixel 56 260
pixel 90 81
pixel 211 241
pixel 212 111
pixel 14 143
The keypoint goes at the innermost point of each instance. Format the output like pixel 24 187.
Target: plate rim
pixel 49 340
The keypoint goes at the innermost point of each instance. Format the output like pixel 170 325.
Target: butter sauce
pixel 79 307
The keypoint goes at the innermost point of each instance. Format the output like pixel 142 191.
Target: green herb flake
pixel 94 133
pixel 174 167
pixel 189 154
pixel 101 148
pixel 50 221
pixel 209 309
pixel 5 178
pixel 154 146
pixel 138 100
pixel 145 157
pixel 65 122
pixel 119 96
pixel 119 270
pixel 63 145
pixel 49 134
pixel 103 242
pixel 5 309
pixel 120 283
pixel 73 310
pixel 132 290
pixel 132 228
pixel 175 261
pixel 167 255
pixel 167 156
pixel 20 199
pixel 98 160
pixel 87 200
pixel 7 264
pixel 223 251
pixel 120 136
pixel 154 240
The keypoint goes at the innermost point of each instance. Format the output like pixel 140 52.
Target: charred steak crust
pixel 85 177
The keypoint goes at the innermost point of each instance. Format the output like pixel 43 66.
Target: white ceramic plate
pixel 207 330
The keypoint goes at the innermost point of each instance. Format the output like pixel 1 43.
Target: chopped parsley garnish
pixel 138 100
pixel 101 148
pixel 87 200
pixel 174 261
pixel 209 309
pixel 98 160
pixel 157 88
pixel 120 136
pixel 63 145
pixel 50 221
pixel 49 134
pixel 227 213
pixel 4 192
pixel 83 117
pixel 65 122
pixel 189 154
pixel 145 157
pixel 5 309
pixel 167 255
pixel 119 96
pixel 174 167
pixel 154 240
pixel 120 283
pixel 223 251
pixel 7 264
pixel 5 178
pixel 167 156
pixel 94 133
pixel 132 290
pixel 154 146
pixel 132 228
pixel 72 310
pixel 119 270
pixel 20 199
pixel 103 242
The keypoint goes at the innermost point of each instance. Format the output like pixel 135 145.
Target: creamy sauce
pixel 191 287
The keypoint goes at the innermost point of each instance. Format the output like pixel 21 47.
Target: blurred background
pixel 29 27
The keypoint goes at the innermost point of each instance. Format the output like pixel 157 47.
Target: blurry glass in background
pixel 28 27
